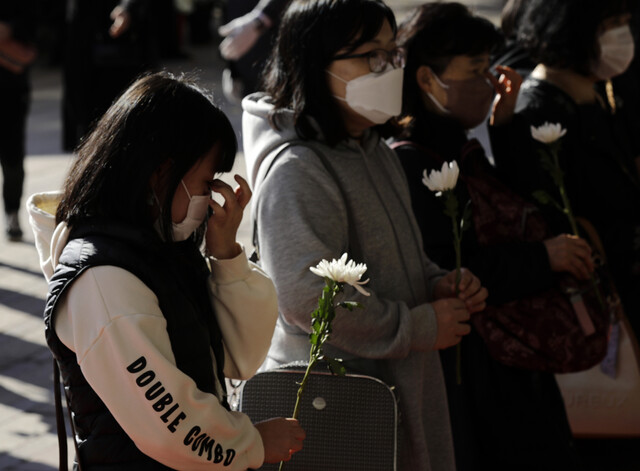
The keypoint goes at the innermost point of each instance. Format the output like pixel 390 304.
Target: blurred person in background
pixel 17 34
pixel 248 41
pixel 200 21
pixel 513 54
pixel 109 43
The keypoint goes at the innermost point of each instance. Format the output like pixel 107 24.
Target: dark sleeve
pixel 511 271
pixel 20 16
pixel 428 209
pixel 508 271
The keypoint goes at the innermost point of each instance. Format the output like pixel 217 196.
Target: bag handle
pixel 60 425
pixel 594 239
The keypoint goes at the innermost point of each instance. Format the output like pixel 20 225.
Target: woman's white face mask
pixel 616 52
pixel 196 214
pixel 376 96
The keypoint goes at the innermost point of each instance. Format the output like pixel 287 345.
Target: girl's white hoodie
pixel 110 319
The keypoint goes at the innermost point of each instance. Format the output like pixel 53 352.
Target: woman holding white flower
pixel 580 44
pixel 332 185
pixel 449 89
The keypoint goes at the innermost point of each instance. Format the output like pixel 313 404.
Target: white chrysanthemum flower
pixel 548 132
pixel 342 271
pixel 444 179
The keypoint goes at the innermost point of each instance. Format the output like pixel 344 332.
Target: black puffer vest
pixel 177 274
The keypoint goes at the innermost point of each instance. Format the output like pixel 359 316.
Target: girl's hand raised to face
pixel 222 227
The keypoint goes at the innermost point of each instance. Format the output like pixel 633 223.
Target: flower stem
pixel 313 358
pixel 456 246
pixel 457 242
pixel 459 363
pixel 322 332
pixel 303 383
pixel 563 192
pixel 568 211
pixel 572 221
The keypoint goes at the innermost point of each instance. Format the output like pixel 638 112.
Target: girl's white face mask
pixel 616 52
pixel 377 97
pixel 196 214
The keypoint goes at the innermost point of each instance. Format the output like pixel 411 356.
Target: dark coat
pixel 597 158
pixel 502 418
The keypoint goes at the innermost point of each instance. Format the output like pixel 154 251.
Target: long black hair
pixel 160 120
pixel 311 34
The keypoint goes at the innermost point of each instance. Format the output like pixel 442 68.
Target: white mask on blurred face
pixel 616 52
pixel 376 96
pixel 196 214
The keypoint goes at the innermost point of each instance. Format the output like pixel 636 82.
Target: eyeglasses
pixel 379 58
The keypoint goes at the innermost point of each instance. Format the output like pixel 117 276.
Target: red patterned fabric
pixel 562 329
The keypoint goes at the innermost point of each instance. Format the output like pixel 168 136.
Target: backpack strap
pixel 354 246
pixel 60 426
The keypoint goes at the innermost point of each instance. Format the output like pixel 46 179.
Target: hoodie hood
pixel 50 239
pixel 259 139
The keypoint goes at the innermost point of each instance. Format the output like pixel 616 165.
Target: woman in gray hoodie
pixel 326 183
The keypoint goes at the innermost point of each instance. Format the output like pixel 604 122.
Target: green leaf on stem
pixel 336 366
pixel 545 198
pixel 316 327
pixel 350 305
pixel 542 196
